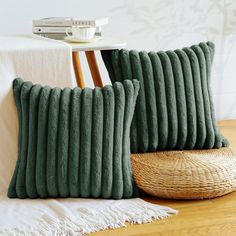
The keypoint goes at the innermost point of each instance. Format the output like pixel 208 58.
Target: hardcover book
pixel 56 30
pixel 69 21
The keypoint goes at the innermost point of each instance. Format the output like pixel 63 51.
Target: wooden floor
pixel 196 218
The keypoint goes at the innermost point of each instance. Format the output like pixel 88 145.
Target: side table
pixel 89 48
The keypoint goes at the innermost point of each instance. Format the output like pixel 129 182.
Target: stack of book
pixel 55 27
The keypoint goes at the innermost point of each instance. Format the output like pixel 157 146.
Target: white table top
pixel 103 44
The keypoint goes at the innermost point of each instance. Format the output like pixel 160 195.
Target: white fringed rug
pixel 74 217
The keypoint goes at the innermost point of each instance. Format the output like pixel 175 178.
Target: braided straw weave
pixel 194 174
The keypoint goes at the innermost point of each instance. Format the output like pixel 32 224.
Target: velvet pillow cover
pixel 174 108
pixel 74 142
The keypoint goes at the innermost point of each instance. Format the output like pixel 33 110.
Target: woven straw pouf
pixel 196 174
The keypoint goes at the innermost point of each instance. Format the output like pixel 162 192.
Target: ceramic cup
pixel 81 32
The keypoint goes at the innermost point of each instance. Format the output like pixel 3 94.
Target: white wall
pixel 149 25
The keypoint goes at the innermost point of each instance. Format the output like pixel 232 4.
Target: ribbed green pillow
pixel 174 108
pixel 74 142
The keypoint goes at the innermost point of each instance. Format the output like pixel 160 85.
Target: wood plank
pixel 196 217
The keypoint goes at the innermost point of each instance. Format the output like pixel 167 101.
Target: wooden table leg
pixel 78 70
pixel 92 62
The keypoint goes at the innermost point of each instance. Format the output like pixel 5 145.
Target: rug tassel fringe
pixel 134 211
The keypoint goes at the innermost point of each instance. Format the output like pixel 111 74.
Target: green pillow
pixel 174 108
pixel 74 142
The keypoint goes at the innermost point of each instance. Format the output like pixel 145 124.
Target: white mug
pixel 81 32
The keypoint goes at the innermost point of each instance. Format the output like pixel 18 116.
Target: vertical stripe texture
pixel 74 142
pixel 174 107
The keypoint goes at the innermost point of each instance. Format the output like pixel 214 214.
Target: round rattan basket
pixel 195 174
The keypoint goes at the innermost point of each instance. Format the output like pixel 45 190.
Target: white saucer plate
pixel 75 40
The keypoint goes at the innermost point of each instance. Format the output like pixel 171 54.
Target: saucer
pixel 71 39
